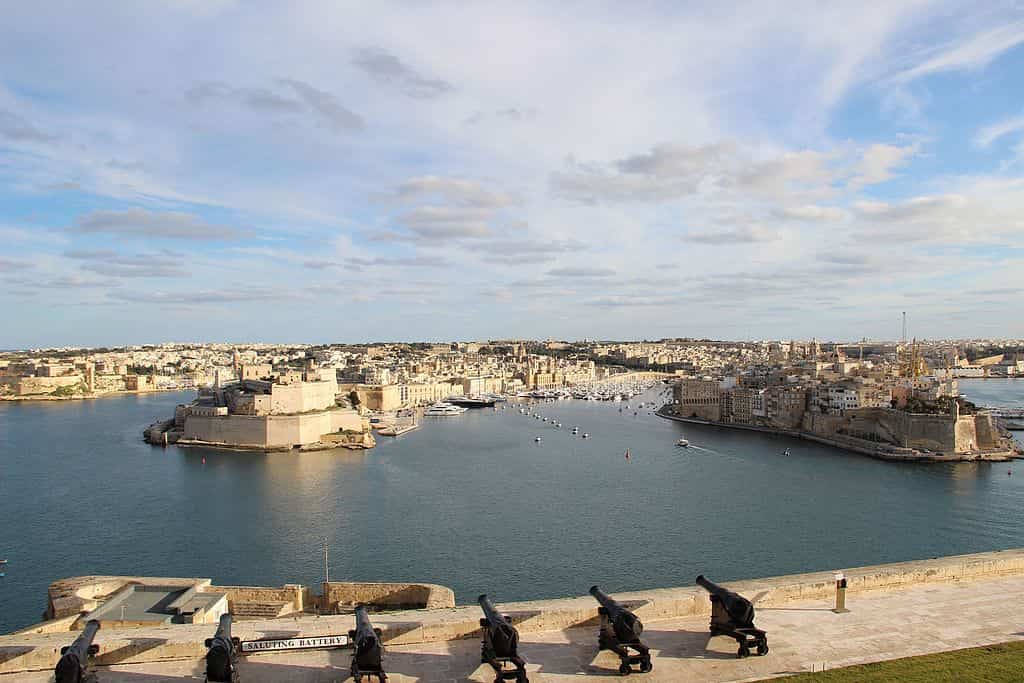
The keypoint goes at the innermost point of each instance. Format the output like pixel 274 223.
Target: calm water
pixel 472 502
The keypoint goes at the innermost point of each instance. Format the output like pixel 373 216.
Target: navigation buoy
pixel 204 459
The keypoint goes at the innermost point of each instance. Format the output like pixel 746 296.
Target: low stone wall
pixel 29 651
pixel 295 595
pixel 387 595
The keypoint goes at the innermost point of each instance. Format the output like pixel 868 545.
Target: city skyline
pixel 213 170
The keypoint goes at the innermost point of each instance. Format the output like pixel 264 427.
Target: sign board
pixel 279 644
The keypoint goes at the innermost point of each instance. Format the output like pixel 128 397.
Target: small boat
pixel 786 452
pixel 683 443
pixel 537 439
pixel 586 436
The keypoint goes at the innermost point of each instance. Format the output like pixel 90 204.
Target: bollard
pixel 840 607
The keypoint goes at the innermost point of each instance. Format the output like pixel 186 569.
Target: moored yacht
pixel 443 409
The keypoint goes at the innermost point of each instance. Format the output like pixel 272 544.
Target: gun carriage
pixel 222 654
pixel 733 615
pixel 619 632
pixel 368 655
pixel 500 644
pixel 73 666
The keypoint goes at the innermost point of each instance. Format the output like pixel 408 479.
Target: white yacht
pixel 683 443
pixel 442 409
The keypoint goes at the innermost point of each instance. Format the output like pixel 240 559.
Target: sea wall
pixel 39 651
pixel 270 431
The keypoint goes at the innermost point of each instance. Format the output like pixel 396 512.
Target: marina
pixel 414 508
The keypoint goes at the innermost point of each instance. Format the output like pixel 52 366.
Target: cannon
pixel 73 666
pixel 619 631
pixel 733 615
pixel 222 654
pixel 368 653
pixel 500 644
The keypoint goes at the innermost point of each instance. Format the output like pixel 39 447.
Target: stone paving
pixel 802 635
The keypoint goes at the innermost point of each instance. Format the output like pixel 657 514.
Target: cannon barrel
pixel 740 609
pixel 220 655
pixel 74 660
pixel 626 624
pixel 367 642
pixel 504 636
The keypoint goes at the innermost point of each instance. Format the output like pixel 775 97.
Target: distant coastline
pixel 89 397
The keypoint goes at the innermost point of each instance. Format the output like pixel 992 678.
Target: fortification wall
pixel 987 431
pixel 301 397
pixel 387 595
pixel 295 595
pixel 346 420
pixel 270 431
pixel 240 430
pixel 40 651
pixel 29 386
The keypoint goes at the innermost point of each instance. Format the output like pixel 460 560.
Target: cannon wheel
pixel 762 649
pixel 744 651
pixel 625 669
pixel 646 666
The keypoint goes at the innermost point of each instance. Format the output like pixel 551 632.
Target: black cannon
pixel 73 666
pixel 500 644
pixel 222 654
pixel 368 653
pixel 620 630
pixel 733 615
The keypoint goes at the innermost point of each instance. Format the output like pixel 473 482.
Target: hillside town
pixel 891 398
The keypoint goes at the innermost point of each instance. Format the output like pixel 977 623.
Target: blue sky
pixel 335 171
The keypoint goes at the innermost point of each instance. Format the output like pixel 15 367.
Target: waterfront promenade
pixel 895 611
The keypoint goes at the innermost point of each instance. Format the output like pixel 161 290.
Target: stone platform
pixel 896 611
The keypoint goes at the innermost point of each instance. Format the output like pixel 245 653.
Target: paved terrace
pixel 896 611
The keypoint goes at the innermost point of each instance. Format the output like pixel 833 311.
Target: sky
pixel 212 170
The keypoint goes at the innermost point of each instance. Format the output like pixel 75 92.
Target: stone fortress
pixel 268 410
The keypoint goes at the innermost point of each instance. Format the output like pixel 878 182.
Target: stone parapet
pixel 38 651
pixel 386 595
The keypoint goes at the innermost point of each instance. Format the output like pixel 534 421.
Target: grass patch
pixel 990 664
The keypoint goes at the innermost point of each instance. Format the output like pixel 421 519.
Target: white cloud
pixel 746 234
pixel 973 52
pixel 878 162
pixel 810 212
pixel 992 132
pixel 143 223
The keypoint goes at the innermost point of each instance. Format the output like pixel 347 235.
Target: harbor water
pixel 475 503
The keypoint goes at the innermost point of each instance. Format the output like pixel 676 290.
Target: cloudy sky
pixel 349 171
